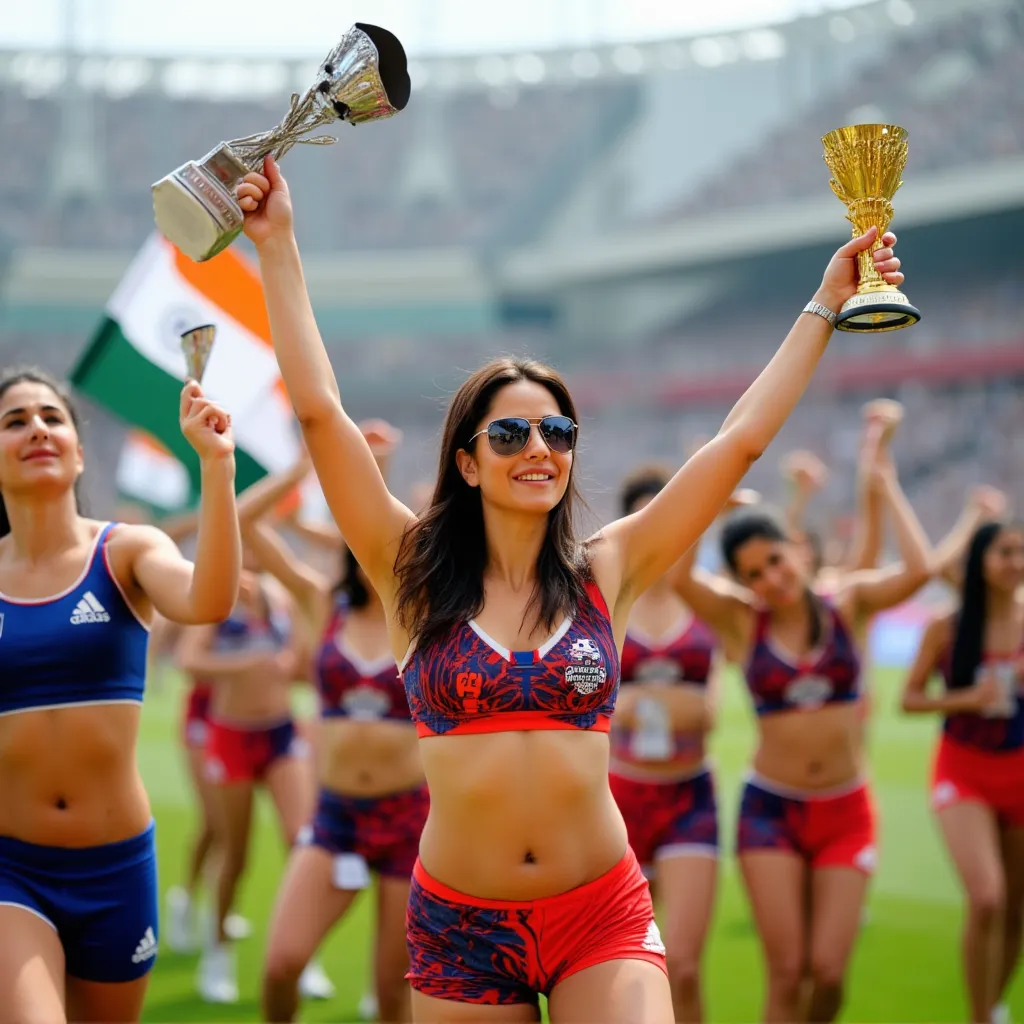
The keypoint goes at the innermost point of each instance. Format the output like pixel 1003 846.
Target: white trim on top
pixel 368 667
pixel 74 586
pixel 539 652
pixel 674 633
pixel 137 701
pixel 147 626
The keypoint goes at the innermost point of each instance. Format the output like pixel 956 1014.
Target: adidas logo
pixel 89 610
pixel 146 949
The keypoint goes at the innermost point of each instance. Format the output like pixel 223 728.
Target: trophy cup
pixel 364 78
pixel 197 345
pixel 866 161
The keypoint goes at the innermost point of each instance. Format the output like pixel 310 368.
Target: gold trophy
pixel 866 161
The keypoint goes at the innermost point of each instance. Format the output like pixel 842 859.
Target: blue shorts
pixel 101 901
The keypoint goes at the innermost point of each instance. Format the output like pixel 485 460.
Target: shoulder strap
pixel 597 598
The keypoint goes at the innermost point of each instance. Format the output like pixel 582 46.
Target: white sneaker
pixel 216 978
pixel 369 1008
pixel 179 931
pixel 237 928
pixel 1001 1014
pixel 314 983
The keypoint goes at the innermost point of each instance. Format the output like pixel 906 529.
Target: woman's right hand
pixel 266 203
pixel 986 695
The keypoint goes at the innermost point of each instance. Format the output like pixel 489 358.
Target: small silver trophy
pixel 364 78
pixel 197 345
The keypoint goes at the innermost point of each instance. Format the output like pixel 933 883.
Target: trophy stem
pixel 865 214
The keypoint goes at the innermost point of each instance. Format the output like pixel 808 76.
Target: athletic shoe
pixel 369 1009
pixel 1001 1014
pixel 237 928
pixel 314 983
pixel 179 930
pixel 216 978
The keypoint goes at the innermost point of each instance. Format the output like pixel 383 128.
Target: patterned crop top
pixel 352 687
pixel 468 683
pixel 829 675
pixel 685 658
pixel 1000 729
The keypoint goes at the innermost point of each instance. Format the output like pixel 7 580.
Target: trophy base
pixel 196 212
pixel 877 311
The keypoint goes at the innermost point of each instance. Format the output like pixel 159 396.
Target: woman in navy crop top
pixel 978 775
pixel 77 854
pixel 508 628
pixel 372 798
pixel 805 798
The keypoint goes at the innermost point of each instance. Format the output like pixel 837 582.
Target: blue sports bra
pixel 82 646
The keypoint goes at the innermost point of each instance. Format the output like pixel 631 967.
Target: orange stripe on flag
pixel 231 282
pixel 144 439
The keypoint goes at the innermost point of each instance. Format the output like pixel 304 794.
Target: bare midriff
pixel 519 815
pixel 68 776
pixel 367 758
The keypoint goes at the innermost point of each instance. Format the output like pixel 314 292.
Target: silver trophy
pixel 364 78
pixel 196 345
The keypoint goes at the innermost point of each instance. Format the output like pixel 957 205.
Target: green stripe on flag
pixel 115 374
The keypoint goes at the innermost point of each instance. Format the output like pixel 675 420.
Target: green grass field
pixel 906 967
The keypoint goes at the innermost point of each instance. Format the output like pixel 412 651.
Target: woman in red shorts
pixel 806 838
pixel 507 629
pixel 978 780
pixel 251 660
pixel 372 798
pixel 660 776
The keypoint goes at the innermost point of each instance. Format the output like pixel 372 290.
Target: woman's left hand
pixel 206 426
pixel 840 280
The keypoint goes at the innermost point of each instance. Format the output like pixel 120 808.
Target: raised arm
pixel 195 655
pixel 916 700
pixel 204 591
pixel 260 498
pixel 370 518
pixel 983 504
pixel 725 607
pixel 644 545
pixel 881 418
pixel 874 590
pixel 806 475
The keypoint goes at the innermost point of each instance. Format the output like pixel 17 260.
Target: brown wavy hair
pixel 442 558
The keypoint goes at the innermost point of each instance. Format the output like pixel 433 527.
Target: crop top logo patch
pixel 365 703
pixel 585 670
pixel 809 691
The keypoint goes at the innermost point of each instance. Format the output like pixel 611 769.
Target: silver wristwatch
pixel 820 310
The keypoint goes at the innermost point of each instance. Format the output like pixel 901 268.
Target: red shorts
pixel 195 723
pixel 993 778
pixel 235 753
pixel 668 819
pixel 828 830
pixel 473 950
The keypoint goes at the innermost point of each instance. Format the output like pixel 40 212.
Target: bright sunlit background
pixel 631 189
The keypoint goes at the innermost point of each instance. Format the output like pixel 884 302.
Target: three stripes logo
pixel 89 610
pixel 146 949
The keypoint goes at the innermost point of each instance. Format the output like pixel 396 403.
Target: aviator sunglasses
pixel 509 436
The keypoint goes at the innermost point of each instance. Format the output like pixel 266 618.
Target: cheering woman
pixel 507 630
pixel 78 892
pixel 978 779
pixel 806 840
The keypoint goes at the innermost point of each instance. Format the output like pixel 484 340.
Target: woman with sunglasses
pixel 507 629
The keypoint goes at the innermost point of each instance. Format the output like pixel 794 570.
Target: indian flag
pixel 134 366
pixel 148 472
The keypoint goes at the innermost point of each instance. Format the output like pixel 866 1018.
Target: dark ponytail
pixel 969 642
pixel 32 375
pixel 747 526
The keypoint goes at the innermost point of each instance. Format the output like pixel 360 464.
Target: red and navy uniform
pixel 468 683
pixel 666 817
pixel 498 951
pixel 980 757
pixel 195 726
pixel 364 834
pixel 350 686
pixel 244 751
pixel 835 828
